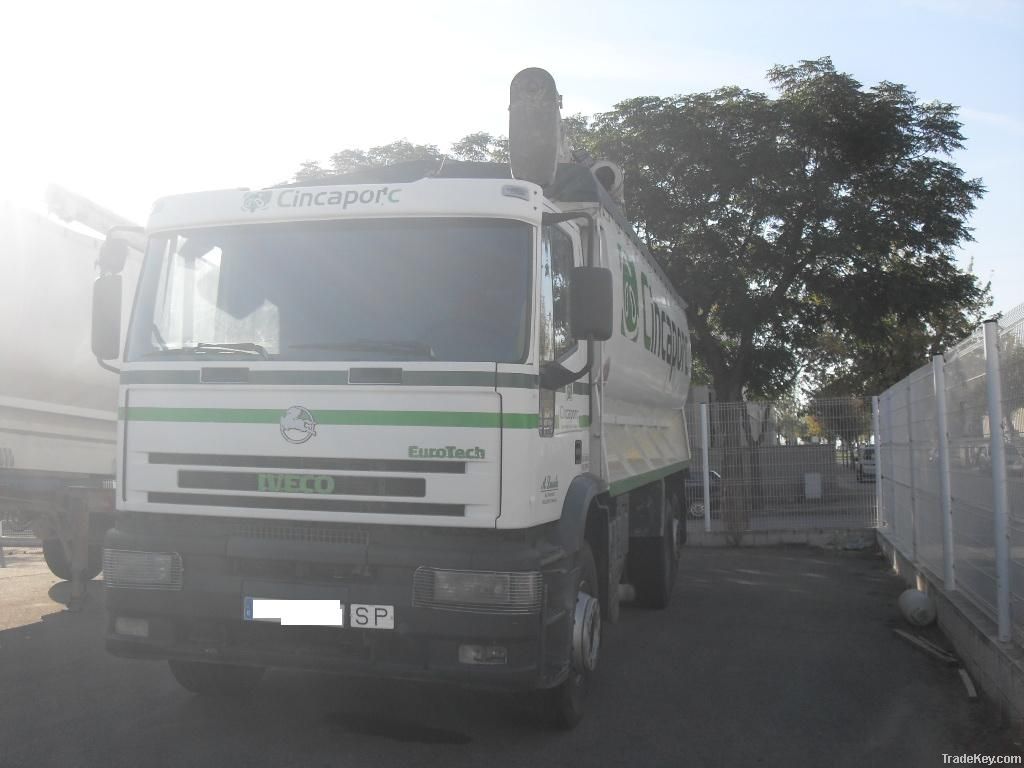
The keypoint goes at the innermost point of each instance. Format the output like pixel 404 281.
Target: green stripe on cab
pixel 349 418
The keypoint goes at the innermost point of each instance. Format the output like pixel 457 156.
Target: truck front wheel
pixel 209 679
pixel 563 705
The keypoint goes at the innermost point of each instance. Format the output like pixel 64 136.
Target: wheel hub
pixel 586 632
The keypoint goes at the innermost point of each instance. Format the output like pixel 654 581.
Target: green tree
pixel 348 160
pixel 848 362
pixel 478 146
pixel 481 147
pixel 846 418
pixel 827 214
pixel 310 169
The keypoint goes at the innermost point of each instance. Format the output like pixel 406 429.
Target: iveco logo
pixel 256 201
pixel 297 425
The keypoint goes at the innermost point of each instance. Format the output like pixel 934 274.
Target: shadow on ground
pixel 768 657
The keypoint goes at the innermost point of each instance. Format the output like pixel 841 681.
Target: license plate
pixel 371 616
pixel 318 613
pixel 296 613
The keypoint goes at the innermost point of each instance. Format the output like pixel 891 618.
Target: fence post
pixel 945 492
pixel 913 480
pixel 997 456
pixel 891 488
pixel 705 439
pixel 876 428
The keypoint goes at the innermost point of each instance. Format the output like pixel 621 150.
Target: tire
pixel 654 562
pixel 563 706
pixel 57 560
pixel 209 679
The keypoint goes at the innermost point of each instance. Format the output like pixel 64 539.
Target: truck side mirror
pixel 590 303
pixel 113 255
pixel 106 317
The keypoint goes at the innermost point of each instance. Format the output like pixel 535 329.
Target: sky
pixel 128 102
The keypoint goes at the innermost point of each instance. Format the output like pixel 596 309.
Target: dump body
pixel 644 368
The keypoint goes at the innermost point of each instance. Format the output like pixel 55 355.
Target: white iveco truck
pixel 421 421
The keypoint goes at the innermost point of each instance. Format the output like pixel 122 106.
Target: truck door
pixel 564 414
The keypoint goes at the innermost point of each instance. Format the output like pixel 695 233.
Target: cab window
pixel 556 266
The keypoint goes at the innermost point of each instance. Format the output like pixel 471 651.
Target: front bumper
pixel 225 561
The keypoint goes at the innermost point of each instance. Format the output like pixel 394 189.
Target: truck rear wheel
pixel 59 565
pixel 210 679
pixel 654 562
pixel 563 705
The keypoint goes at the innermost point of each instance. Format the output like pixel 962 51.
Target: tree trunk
pixel 753 450
pixel 731 413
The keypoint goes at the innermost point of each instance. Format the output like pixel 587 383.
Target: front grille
pixel 337 485
pixel 320 534
pixel 426 466
pixel 299 571
pixel 309 504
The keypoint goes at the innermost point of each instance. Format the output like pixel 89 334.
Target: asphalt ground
pixel 766 657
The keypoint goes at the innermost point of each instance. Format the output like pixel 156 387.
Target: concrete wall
pixel 996 668
pixel 785 467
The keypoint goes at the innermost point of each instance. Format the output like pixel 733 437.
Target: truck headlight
pixel 478 591
pixel 141 570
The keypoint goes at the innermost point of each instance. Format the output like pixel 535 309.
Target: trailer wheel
pixel 210 679
pixel 654 562
pixel 563 705
pixel 60 566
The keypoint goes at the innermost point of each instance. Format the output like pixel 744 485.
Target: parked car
pixel 866 463
pixel 695 494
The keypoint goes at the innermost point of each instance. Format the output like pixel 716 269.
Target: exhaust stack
pixel 535 143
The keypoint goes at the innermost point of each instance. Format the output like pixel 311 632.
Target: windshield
pixel 422 289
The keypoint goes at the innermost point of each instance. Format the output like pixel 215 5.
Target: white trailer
pixel 58 408
pixel 431 414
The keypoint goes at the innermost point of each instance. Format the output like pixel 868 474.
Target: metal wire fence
pixel 952 469
pixel 922 452
pixel 1011 349
pixel 782 466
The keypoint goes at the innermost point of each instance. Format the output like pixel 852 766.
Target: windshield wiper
pixel 242 347
pixel 422 350
pixel 204 348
